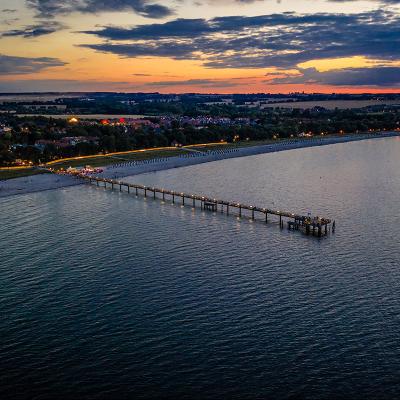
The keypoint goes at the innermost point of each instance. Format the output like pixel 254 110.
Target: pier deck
pixel 315 226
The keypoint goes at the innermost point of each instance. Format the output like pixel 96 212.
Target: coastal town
pixel 33 139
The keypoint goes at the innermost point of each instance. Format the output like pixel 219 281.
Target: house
pixel 5 129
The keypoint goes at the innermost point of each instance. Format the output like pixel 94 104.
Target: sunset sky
pixel 218 46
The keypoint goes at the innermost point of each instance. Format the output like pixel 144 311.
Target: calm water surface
pixel 104 295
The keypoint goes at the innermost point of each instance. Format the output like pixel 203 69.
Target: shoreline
pixel 115 172
pixel 39 183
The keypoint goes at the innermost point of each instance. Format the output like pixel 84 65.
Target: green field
pixel 250 143
pixel 11 174
pixel 147 155
pixel 232 145
pixel 115 159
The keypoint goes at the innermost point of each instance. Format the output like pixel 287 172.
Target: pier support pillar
pixel 240 211
pixel 194 203
pixel 266 218
pixel 227 210
pixel 145 192
pixel 163 196
pixel 173 198
pixel 136 189
pixel 154 194
pixel 252 215
pixel 183 200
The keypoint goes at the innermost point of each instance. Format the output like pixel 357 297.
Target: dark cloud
pixel 12 65
pixel 179 28
pixel 277 40
pixel 191 28
pixel 39 29
pixel 370 77
pixel 178 52
pixel 51 8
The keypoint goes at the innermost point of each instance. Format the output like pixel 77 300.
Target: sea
pixel 105 295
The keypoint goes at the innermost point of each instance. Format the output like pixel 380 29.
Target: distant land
pixel 6 97
pixel 332 104
pixel 85 116
pixel 104 104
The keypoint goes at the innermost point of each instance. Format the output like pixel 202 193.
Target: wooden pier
pixel 314 226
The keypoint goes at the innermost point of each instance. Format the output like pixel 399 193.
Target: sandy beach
pixel 43 182
pixel 35 183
